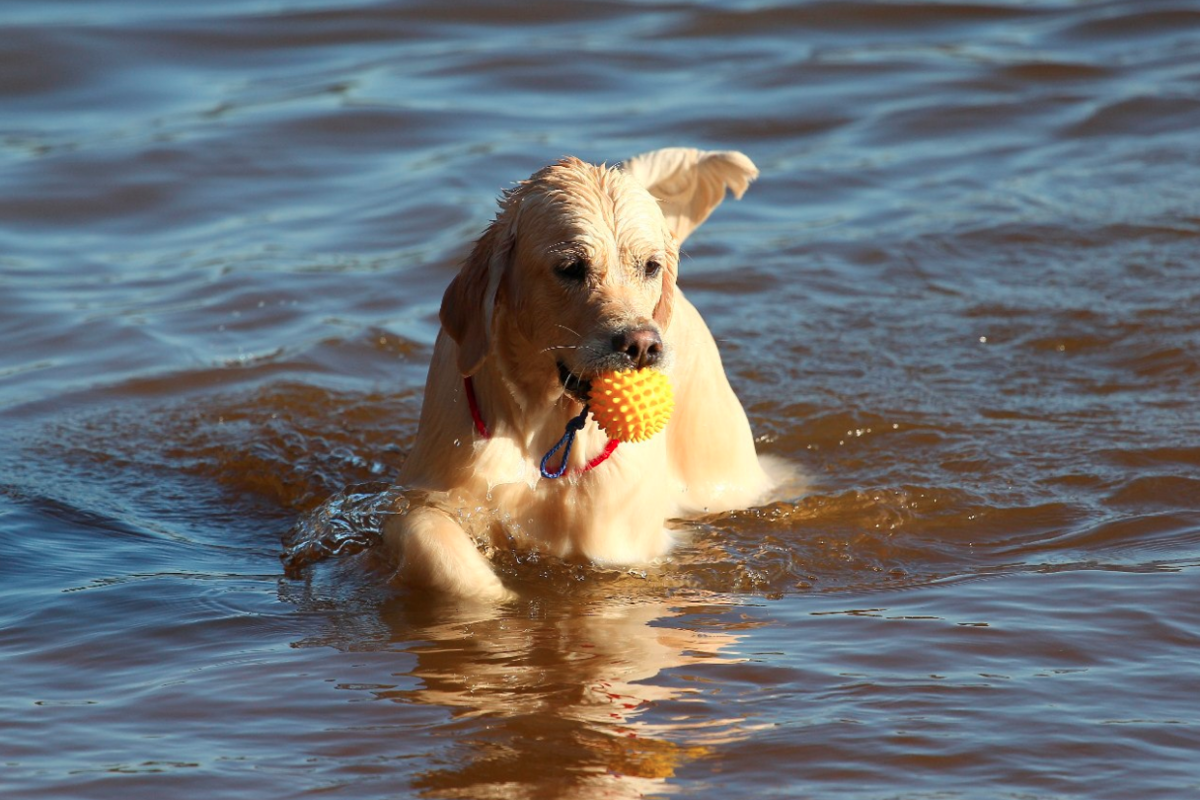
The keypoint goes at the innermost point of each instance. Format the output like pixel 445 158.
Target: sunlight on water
pixel 961 299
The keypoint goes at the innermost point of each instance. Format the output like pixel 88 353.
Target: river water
pixel 962 298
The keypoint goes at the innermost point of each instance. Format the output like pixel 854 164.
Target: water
pixel 962 297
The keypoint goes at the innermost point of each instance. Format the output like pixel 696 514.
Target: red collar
pixel 482 428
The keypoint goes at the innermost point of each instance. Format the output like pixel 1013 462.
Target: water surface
pixel 962 297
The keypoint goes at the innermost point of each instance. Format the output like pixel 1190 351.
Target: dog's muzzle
pixel 576 387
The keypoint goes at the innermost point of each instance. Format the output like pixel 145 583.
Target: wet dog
pixel 576 276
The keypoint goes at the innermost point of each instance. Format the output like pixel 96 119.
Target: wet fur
pixel 516 325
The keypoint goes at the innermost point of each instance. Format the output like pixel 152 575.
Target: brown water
pixel 962 297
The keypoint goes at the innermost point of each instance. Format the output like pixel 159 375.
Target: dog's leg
pixel 436 552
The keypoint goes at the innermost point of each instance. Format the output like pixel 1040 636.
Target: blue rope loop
pixel 568 438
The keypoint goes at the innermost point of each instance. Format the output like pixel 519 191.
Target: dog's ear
pixel 666 301
pixel 690 183
pixel 470 300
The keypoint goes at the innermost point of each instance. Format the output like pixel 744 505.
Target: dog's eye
pixel 651 268
pixel 574 270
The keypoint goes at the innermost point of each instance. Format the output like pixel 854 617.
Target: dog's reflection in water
pixel 569 698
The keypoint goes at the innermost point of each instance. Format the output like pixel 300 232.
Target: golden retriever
pixel 576 276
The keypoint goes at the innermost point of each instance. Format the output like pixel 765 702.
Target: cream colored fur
pixel 510 317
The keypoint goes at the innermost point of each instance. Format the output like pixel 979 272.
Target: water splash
pixel 349 522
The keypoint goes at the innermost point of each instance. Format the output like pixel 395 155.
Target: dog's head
pixel 576 275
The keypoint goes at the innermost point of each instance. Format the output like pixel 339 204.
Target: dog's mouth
pixel 576 386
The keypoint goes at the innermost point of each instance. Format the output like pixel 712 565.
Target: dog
pixel 576 276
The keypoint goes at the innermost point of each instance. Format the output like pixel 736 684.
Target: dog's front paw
pixel 435 552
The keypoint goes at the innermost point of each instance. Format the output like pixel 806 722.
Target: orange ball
pixel 631 405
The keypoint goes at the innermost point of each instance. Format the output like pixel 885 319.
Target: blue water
pixel 961 298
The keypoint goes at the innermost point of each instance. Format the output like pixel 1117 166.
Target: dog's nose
pixel 642 346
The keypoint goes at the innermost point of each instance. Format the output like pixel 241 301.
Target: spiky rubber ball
pixel 631 405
